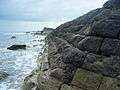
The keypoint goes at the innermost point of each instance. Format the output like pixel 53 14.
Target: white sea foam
pixel 14 33
pixel 19 63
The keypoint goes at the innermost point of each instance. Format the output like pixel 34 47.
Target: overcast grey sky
pixel 46 10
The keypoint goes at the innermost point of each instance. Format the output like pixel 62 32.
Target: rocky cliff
pixel 83 54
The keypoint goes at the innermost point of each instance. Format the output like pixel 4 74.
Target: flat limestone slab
pixel 87 80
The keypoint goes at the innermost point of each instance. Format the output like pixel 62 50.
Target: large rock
pixel 105 28
pixel 108 66
pixel 86 80
pixel 61 51
pixel 45 82
pixel 90 44
pixel 110 84
pixel 111 47
pixel 83 54
pixel 16 47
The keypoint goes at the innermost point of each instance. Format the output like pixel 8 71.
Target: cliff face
pixel 83 54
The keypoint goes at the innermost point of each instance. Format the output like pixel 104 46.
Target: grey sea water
pixel 18 64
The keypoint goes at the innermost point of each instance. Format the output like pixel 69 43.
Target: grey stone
pixel 111 47
pixel 108 66
pixel 105 28
pixel 90 44
pixel 112 4
pixel 64 74
pixel 73 39
pixel 66 87
pixel 86 80
pixel 45 82
pixel 110 84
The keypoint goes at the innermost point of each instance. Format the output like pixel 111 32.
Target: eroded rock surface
pixel 83 54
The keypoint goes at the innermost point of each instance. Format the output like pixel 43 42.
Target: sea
pixel 20 63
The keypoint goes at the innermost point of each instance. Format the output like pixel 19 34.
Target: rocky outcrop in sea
pixel 83 54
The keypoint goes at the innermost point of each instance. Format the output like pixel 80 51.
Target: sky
pixel 46 10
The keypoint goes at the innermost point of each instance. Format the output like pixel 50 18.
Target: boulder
pixel 16 47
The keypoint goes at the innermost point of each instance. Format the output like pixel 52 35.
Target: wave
pixel 20 33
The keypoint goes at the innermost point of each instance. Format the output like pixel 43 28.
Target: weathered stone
pixel 64 74
pixel 87 80
pixel 66 87
pixel 44 66
pixel 94 62
pixel 73 39
pixel 108 66
pixel 30 82
pixel 110 84
pixel 57 73
pixel 45 82
pixel 105 28
pixel 112 4
pixel 110 47
pixel 90 44
pixel 64 52
pixel 73 56
pixel 76 39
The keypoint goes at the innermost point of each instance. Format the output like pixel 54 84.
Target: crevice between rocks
pixel 99 50
pixel 100 83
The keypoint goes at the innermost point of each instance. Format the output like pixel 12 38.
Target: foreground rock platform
pixel 83 54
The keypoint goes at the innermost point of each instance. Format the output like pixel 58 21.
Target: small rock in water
pixel 13 37
pixel 27 32
pixel 35 45
pixel 16 47
pixel 3 75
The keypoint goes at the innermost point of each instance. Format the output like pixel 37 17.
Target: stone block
pixel 90 44
pixel 66 87
pixel 86 80
pixel 108 66
pixel 111 47
pixel 110 84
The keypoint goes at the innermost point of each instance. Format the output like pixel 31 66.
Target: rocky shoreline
pixel 83 54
